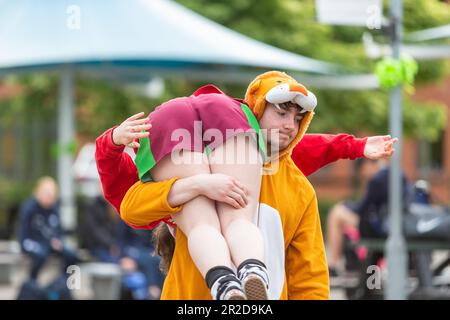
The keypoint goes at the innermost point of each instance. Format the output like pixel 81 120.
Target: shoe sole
pixel 255 289
pixel 237 295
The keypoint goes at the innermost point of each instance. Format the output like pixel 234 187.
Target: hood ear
pixel 260 105
pixel 254 86
pixel 251 98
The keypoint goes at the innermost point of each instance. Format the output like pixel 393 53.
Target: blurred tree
pixel 292 25
pixel 288 24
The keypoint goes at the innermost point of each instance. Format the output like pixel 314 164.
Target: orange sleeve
pixel 145 203
pixel 306 265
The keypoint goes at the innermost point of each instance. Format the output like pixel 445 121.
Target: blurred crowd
pixel 100 232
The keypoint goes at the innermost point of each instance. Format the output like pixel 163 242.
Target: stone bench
pixel 9 258
pixel 104 278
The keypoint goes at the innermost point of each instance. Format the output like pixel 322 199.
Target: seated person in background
pixel 138 255
pixel 348 215
pixel 40 232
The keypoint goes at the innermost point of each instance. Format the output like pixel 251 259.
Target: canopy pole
pixel 66 137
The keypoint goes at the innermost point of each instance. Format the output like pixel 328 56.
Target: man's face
pixel 284 121
pixel 46 194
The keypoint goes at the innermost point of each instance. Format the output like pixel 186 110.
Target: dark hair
pixel 287 105
pixel 164 246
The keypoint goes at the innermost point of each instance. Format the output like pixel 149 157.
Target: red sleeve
pixel 116 169
pixel 117 172
pixel 317 150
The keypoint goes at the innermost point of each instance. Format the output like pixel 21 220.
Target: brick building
pixel 420 160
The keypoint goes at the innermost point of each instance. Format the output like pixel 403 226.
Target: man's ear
pixel 254 86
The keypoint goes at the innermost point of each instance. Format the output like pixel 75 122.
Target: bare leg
pixel 198 219
pixel 243 236
pixel 339 217
pixel 200 222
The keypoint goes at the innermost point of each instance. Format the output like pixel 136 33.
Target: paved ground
pixel 19 272
pixel 9 291
pixel 50 271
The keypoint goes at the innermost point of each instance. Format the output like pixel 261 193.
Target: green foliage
pixel 288 24
pixel 423 14
pixel 38 94
pixel 418 117
pixel 101 105
pixel 13 192
pixel 292 25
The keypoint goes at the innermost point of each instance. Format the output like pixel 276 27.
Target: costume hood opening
pixel 278 87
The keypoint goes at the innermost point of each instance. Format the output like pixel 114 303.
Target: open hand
pixel 131 129
pixel 379 147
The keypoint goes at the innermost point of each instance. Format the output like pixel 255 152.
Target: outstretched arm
pixel 315 151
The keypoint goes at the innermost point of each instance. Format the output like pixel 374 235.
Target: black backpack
pixel 426 222
pixel 420 222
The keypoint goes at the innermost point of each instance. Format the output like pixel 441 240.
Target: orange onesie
pixel 287 192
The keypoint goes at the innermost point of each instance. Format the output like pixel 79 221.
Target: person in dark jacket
pixel 98 230
pixel 137 248
pixel 40 232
